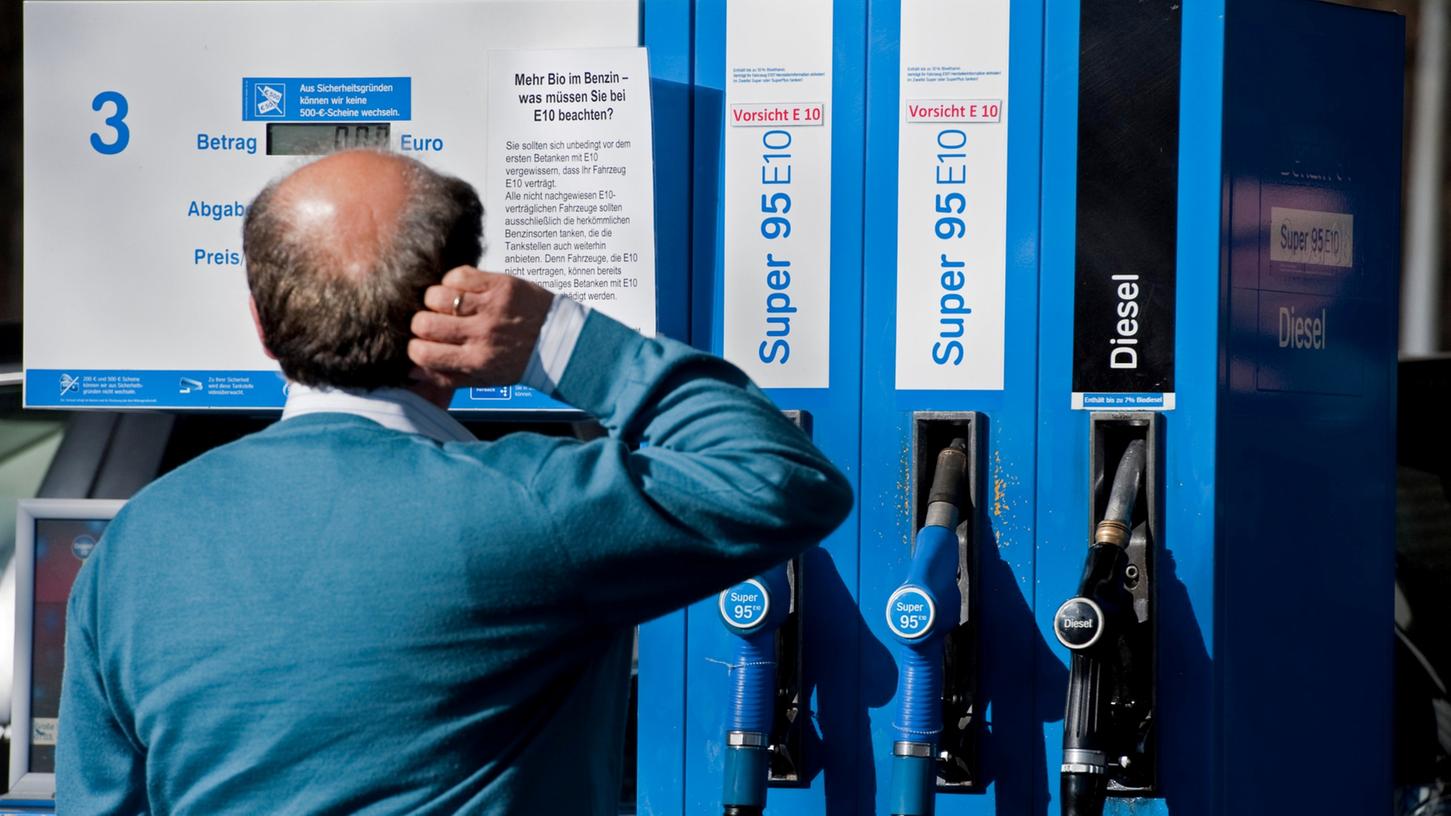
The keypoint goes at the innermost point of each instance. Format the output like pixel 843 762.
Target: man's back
pixel 283 613
pixel 334 617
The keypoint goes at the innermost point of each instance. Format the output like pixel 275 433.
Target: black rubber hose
pixel 1083 794
pixel 1126 482
pixel 951 471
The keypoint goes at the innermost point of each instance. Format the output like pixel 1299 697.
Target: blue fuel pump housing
pixel 1255 691
pixel 753 611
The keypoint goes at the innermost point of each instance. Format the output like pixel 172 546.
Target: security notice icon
pixel 270 101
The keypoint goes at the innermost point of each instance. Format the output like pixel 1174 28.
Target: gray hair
pixel 327 328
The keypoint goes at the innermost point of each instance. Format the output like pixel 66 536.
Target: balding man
pixel 362 609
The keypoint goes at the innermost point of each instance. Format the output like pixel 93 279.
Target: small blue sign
pixel 910 613
pixel 327 99
pixel 113 388
pixel 744 606
pixel 106 389
pixel 1123 401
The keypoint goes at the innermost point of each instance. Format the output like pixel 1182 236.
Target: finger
pixel 470 279
pixel 443 359
pixel 441 328
pixel 441 299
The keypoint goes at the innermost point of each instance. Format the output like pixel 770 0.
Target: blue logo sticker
pixel 910 613
pixel 744 606
pixel 82 545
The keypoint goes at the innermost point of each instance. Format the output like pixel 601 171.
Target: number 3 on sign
pixel 115 121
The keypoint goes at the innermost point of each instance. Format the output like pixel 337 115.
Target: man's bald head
pixel 347 206
pixel 338 255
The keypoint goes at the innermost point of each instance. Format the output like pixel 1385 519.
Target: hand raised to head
pixel 477 328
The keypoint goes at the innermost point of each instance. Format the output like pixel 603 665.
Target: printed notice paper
pixel 570 197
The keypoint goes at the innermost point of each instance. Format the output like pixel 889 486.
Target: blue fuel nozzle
pixel 752 611
pixel 920 613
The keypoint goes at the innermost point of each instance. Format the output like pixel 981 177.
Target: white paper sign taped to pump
pixel 777 298
pixel 952 195
pixel 571 197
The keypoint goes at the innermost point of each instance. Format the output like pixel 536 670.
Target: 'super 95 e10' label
pixel 952 195
pixel 1312 238
pixel 777 265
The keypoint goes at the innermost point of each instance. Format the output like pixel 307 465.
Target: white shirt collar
pixel 395 408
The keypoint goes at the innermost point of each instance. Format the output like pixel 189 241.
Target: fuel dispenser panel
pixel 948 358
pixel 1230 266
pixel 776 240
pixel 143 152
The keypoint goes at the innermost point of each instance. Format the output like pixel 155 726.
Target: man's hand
pixel 485 341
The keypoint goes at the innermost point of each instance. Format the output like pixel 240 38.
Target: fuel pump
pixel 1107 724
pixel 923 613
pixel 753 611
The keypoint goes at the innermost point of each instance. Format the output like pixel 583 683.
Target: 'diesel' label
pixel 1128 186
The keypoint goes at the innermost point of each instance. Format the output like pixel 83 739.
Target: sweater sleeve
pixel 98 769
pixel 700 483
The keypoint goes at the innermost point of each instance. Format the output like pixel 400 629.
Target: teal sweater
pixel 332 617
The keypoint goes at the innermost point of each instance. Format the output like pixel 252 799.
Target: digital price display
pixel 318 138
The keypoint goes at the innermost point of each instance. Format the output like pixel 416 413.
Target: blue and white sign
pixel 1120 401
pixel 910 613
pixel 744 606
pixel 776 316
pixel 90 388
pixel 327 99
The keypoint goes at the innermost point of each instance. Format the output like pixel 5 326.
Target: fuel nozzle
pixel 1090 624
pixel 915 616
pixel 753 611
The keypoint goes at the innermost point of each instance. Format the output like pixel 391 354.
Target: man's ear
pixel 257 324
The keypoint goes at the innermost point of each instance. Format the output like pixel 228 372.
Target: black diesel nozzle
pixel 1093 625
